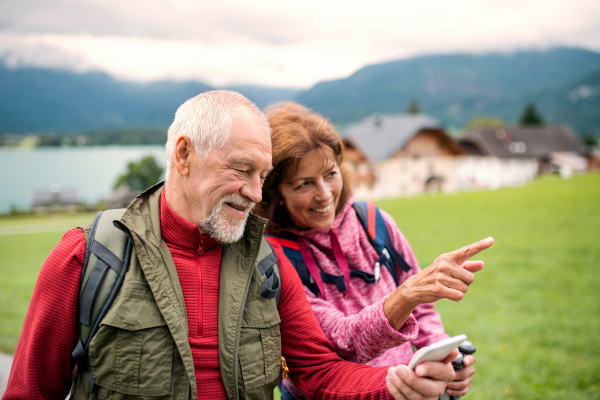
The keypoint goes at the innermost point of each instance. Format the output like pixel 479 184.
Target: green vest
pixel 142 350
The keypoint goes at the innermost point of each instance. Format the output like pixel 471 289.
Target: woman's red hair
pixel 295 132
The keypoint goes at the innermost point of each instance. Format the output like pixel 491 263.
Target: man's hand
pixel 462 383
pixel 427 382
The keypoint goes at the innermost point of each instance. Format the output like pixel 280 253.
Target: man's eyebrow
pixel 243 161
pixel 247 161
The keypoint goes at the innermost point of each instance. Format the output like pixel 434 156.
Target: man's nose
pixel 253 190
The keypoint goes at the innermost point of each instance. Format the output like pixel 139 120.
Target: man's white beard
pixel 221 228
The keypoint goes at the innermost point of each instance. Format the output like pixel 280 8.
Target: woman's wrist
pixel 397 307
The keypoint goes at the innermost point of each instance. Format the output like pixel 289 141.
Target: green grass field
pixel 533 312
pixel 22 256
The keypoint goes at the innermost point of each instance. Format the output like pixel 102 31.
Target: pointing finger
pixel 461 255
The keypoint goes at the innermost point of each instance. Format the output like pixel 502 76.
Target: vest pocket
pixel 260 356
pixel 132 352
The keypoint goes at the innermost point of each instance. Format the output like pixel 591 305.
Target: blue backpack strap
pixel 289 242
pixel 372 221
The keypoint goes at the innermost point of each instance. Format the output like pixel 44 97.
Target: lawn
pixel 22 256
pixel 533 312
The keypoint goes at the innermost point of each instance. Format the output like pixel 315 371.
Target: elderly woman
pixel 372 314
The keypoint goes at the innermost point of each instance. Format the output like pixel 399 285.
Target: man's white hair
pixel 207 120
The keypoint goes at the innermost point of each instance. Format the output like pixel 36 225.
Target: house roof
pixel 537 142
pixel 381 136
pixel 65 198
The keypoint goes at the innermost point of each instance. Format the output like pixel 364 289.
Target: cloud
pixel 175 20
pixel 273 42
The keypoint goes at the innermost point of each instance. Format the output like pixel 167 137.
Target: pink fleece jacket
pixel 357 326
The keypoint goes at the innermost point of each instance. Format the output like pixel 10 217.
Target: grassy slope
pixel 22 257
pixel 534 311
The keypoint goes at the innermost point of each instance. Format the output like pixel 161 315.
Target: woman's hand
pixel 448 277
pixel 462 383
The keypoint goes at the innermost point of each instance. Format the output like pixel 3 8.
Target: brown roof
pixel 537 142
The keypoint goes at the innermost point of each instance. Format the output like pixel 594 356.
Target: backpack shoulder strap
pixel 372 221
pixel 378 234
pixel 107 256
pixel 289 242
pixel 268 266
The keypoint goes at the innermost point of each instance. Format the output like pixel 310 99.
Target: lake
pixel 91 171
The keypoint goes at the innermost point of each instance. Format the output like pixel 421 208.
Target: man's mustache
pixel 238 201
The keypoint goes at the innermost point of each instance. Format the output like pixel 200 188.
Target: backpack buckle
pixel 377 274
pixel 284 368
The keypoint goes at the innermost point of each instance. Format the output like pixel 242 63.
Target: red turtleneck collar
pixel 177 231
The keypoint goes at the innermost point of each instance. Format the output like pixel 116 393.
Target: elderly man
pixel 188 321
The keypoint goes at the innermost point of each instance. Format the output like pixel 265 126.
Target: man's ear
pixel 183 151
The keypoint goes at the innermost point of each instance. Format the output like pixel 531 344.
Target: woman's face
pixel 312 194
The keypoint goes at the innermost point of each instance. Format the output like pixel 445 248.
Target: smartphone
pixel 437 351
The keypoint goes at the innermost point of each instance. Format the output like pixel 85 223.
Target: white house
pixel 404 155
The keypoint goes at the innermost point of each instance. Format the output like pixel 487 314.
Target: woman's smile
pixel 323 210
pixel 312 194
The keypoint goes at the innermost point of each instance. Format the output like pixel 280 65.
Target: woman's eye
pixel 303 185
pixel 331 174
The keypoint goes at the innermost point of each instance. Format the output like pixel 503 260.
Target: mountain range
pixel 563 83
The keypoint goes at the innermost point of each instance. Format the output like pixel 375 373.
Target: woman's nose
pixel 323 191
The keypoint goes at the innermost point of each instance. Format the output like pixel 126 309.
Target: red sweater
pixel 42 365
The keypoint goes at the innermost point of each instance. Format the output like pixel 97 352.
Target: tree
pixel 140 175
pixel 531 116
pixel 414 107
pixel 590 140
pixel 484 122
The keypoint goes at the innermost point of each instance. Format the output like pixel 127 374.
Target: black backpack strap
pixel 268 266
pixel 107 257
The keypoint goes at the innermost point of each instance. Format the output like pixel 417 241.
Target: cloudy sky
pixel 276 42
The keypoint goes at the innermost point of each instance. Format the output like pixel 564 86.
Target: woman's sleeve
pixel 431 328
pixel 364 336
